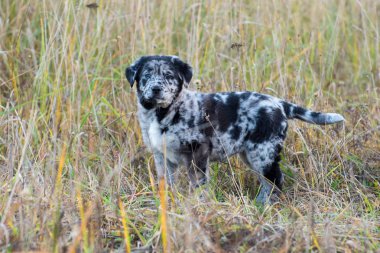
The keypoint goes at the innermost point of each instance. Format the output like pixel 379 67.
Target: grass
pixel 75 175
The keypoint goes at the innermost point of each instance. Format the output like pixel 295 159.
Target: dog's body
pixel 183 127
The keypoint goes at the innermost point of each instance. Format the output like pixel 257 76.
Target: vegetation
pixel 74 173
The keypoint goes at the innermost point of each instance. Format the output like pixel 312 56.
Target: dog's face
pixel 159 79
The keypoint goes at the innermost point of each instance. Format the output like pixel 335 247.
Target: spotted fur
pixel 183 127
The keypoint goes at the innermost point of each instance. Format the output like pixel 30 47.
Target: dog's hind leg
pixel 264 158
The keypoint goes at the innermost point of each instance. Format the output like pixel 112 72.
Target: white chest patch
pixel 162 143
pixel 155 136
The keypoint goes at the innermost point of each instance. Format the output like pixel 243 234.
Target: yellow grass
pixel 163 210
pixel 125 226
pixel 58 181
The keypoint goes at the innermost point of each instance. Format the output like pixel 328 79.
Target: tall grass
pixel 71 148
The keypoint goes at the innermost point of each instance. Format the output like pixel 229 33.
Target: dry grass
pixel 71 148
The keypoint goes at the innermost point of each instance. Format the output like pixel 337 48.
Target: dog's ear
pixel 132 71
pixel 184 69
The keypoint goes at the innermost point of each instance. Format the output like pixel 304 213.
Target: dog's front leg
pixel 164 168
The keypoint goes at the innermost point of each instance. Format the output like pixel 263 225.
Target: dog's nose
pixel 156 90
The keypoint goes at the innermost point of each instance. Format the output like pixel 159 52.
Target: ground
pixel 75 174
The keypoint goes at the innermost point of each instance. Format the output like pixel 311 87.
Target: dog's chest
pixel 164 142
pixel 155 135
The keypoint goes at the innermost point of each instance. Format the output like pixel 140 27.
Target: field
pixel 75 175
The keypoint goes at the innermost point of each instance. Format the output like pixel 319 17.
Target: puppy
pixel 188 128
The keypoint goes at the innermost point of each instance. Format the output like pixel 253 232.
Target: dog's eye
pixel 147 76
pixel 169 76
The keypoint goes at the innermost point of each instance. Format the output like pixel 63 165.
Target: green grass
pixel 71 147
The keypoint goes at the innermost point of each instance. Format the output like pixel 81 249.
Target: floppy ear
pixel 184 69
pixel 131 71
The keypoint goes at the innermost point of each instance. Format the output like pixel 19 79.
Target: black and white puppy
pixel 183 127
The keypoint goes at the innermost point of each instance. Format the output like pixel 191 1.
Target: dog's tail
pixel 320 118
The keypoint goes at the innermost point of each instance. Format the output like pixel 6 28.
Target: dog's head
pixel 159 79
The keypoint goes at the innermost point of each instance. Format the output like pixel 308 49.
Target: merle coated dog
pixel 183 127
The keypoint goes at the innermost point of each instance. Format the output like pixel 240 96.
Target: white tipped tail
pixel 320 118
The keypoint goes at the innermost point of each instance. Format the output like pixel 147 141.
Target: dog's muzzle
pixel 156 91
pixel 153 93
